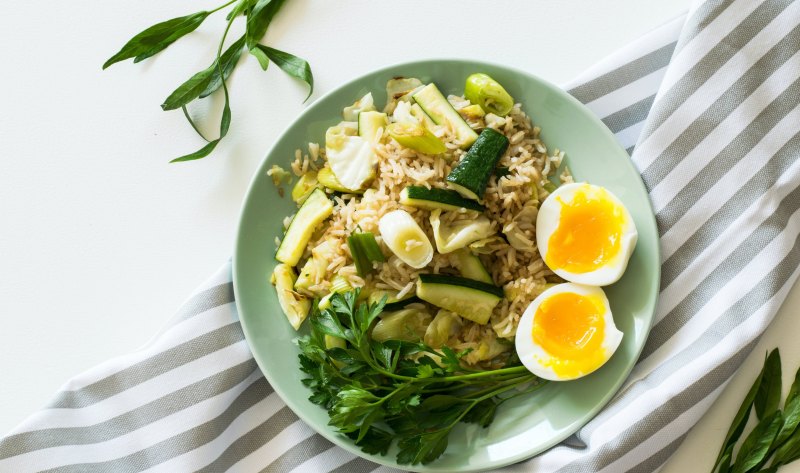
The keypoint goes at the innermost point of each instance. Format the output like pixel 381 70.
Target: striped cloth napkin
pixel 711 102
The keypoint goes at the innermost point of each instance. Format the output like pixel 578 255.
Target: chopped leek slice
pixel 340 284
pixel 445 325
pixel 304 186
pixel 453 236
pixel 406 324
pixel 416 137
pixel 489 94
pixel 472 112
pixel 405 238
pixel 294 306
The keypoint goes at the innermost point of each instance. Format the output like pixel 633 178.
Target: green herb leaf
pixel 739 420
pixel 327 323
pixel 482 413
pixel 352 408
pixel 157 38
pixel 793 391
pixel 754 449
pixel 376 441
pixel 291 64
pixel 725 460
pixel 206 81
pixel 263 60
pixel 423 448
pixel 789 450
pixel 224 125
pixel 228 60
pixel 768 395
pixel 791 415
pixel 259 18
pixel 242 7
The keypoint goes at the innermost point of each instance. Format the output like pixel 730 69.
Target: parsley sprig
pixel 259 14
pixel 376 392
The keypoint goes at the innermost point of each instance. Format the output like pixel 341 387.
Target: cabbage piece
pixel 400 90
pixel 407 324
pixel 452 236
pixel 484 245
pixel 350 157
pixel 364 104
pixel 515 231
pixel 487 350
pixel 445 325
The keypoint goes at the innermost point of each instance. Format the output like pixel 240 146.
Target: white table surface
pixel 101 239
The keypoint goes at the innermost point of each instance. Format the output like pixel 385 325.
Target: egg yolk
pixel 588 234
pixel 570 327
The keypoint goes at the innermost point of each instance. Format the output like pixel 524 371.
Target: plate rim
pixel 383 459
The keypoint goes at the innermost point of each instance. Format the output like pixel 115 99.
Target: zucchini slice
pixel 436 106
pixel 470 266
pixel 473 300
pixel 392 302
pixel 294 306
pixel 472 174
pixel 314 211
pixel 431 199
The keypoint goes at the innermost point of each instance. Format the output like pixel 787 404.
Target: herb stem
pixel 221 7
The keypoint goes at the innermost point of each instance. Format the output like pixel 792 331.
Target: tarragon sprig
pixel 258 14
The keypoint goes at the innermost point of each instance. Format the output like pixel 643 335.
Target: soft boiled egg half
pixel 567 332
pixel 585 234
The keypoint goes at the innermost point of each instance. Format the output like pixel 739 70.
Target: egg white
pixel 548 220
pixel 536 358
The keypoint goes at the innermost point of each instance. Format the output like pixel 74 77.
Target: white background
pixel 101 239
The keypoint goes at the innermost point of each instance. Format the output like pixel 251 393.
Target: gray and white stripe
pixel 710 103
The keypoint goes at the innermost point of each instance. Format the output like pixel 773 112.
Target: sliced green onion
pixel 340 284
pixel 364 249
pixel 489 94
pixel 549 186
pixel 416 137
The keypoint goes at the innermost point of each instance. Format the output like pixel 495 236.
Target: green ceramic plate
pixel 525 426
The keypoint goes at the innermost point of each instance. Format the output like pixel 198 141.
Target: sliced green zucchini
pixel 431 199
pixel 314 211
pixel 307 277
pixel 422 117
pixel 436 106
pixel 473 300
pixel 294 306
pixel 369 123
pixel 470 266
pixel 472 174
pixel 392 301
